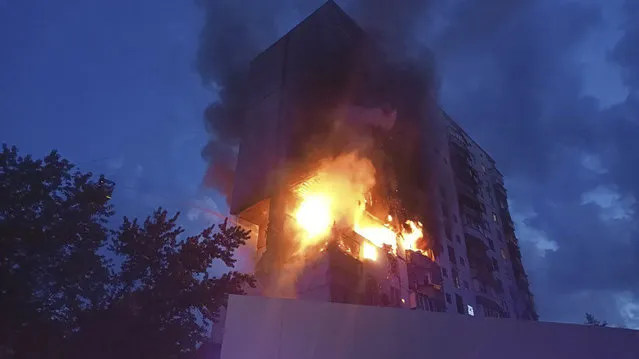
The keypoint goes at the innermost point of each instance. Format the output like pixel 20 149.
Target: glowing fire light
pixel 314 215
pixel 336 196
pixel 378 235
pixel 411 237
pixel 369 251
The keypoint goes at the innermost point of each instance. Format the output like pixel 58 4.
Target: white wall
pixel 266 328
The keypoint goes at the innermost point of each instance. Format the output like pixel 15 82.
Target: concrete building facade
pixel 467 260
pixel 287 329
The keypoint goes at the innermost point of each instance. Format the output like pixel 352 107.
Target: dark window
pixel 461 261
pixel 458 238
pixel 445 210
pixel 456 278
pixel 444 272
pixel 491 244
pixel 495 265
pixel 451 255
pixel 423 302
pixel 466 284
pixel 448 298
pixel 460 304
pixel 448 233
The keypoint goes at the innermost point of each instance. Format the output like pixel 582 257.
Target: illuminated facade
pixel 346 202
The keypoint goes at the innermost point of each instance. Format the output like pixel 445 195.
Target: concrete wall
pixel 267 328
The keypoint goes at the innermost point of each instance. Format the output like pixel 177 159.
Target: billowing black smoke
pixel 236 31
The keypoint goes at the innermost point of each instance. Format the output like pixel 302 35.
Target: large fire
pixel 336 197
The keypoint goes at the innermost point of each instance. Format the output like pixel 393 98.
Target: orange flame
pixel 336 196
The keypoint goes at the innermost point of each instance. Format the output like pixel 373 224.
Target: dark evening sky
pixel 550 88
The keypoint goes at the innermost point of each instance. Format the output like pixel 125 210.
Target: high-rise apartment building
pixel 357 196
pixel 483 262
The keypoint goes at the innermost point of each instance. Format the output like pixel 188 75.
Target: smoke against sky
pixel 518 75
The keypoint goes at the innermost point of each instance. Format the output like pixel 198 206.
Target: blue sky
pixel 543 86
pixel 112 86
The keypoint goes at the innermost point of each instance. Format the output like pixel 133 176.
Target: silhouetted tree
pixel 591 320
pixel 71 288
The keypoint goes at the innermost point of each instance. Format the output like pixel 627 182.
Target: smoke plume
pixel 235 32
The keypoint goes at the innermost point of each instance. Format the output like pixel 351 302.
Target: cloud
pixel 613 204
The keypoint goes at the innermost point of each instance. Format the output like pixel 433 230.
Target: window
pixel 460 304
pixel 461 261
pixel 455 218
pixel 458 238
pixel 449 235
pixel 423 303
pixel 495 217
pixel 495 265
pixel 445 160
pixel 448 298
pixel 466 284
pixel 470 310
pixel 451 255
pixel 503 254
pixel 456 278
pixel 444 273
pixel 491 244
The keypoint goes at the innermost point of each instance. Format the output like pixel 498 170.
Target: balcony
pixel 423 273
pixel 491 308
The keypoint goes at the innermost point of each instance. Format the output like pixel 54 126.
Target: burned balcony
pixel 423 271
pixel 345 274
pixel 425 281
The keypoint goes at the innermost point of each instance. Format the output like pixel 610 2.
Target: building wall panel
pixel 290 329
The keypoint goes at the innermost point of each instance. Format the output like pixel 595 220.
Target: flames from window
pixel 335 198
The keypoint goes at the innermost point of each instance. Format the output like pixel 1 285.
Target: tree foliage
pixel 71 287
pixel 592 321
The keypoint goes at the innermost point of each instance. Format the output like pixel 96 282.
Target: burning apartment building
pixel 359 189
